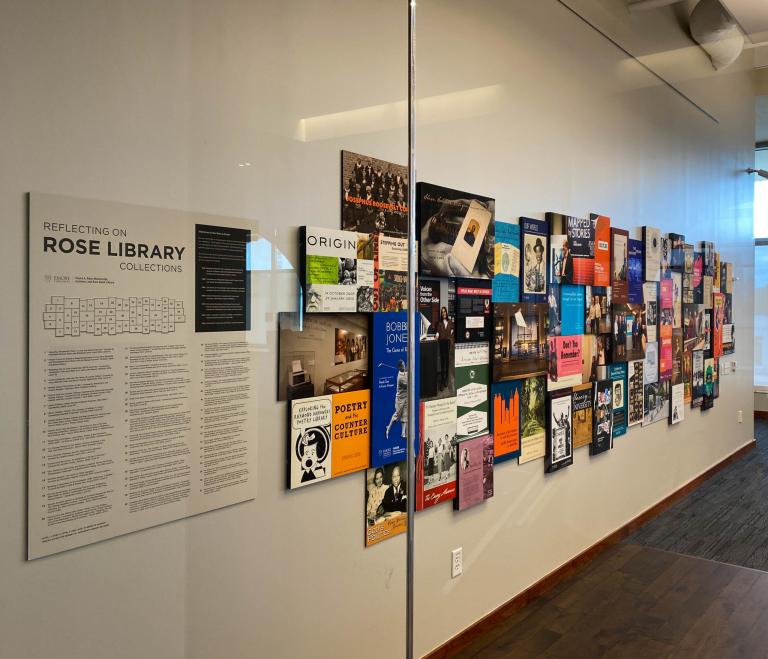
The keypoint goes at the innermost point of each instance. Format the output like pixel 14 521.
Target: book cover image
pixel 581 403
pixel 436 462
pixel 330 272
pixel 619 265
pixel 534 240
pixel 697 386
pixel 695 327
pixel 557 251
pixel 677 357
pixel 697 278
pixel 665 267
pixel 471 389
pixel 666 313
pixel 506 263
pixel 677 300
pixel 602 225
pixel 676 404
pixel 651 299
pixel 628 333
pixel 677 245
pixel 475 472
pixel 374 195
pixel 519 340
pixel 505 419
pixel 473 311
pixel 618 375
pixel 329 437
pixel 389 383
pixel 602 423
pixel 651 363
pixel 386 502
pixel 716 277
pixel 319 349
pixel 636 257
pixel 578 260
pixel 635 384
pixel 532 415
pixel 457 232
pixel 565 362
pixel 729 343
pixel 706 291
pixel 718 315
pixel 391 273
pixel 437 339
pixel 559 433
pixel 597 310
pixel 687 376
pixel 572 302
pixel 707 250
pixel 656 402
pixel 652 248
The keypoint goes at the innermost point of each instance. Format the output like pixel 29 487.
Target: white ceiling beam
pixel 644 5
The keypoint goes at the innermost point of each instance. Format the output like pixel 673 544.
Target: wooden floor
pixel 684 585
pixel 636 601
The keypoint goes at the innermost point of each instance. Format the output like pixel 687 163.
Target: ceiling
pixel 752 16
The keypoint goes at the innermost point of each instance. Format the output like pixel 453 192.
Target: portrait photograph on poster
pixel 577 264
pixel 619 265
pixel 565 362
pixel 519 340
pixel 628 335
pixel 532 415
pixel 386 502
pixel 534 240
pixel 437 339
pixel 618 375
pixel 374 195
pixel 321 354
pixel 456 232
pixel 602 423
pixel 597 310
pixel 656 402
pixel 474 480
pixel 436 461
pixel 559 433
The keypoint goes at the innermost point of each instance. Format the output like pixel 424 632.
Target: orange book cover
pixel 602 249
pixel 350 432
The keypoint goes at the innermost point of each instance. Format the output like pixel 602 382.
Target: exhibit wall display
pixel 226 125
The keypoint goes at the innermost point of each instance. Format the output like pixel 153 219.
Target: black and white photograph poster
pixel 559 433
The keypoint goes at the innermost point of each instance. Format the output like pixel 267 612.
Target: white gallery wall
pixel 240 108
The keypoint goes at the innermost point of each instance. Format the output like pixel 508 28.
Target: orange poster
pixel 506 419
pixel 350 432
pixel 602 249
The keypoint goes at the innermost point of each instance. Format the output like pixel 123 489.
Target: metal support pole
pixel 414 328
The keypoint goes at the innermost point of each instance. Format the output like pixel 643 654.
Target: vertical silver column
pixel 413 329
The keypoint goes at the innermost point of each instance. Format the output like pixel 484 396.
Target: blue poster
pixel 389 388
pixel 635 274
pixel 618 375
pixel 571 309
pixel 506 263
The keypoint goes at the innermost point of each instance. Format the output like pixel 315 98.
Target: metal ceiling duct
pixel 716 32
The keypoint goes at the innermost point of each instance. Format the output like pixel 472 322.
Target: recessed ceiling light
pixel 244 164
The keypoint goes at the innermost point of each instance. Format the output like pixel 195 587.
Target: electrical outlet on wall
pixel 741 416
pixel 456 563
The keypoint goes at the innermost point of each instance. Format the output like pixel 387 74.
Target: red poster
pixel 602 250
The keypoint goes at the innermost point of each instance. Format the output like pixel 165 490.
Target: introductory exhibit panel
pixel 457 232
pixel 141 396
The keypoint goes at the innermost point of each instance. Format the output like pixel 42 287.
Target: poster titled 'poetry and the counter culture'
pixel 141 379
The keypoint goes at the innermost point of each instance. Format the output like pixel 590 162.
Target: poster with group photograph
pixel 474 481
pixel 436 460
pixel 656 402
pixel 386 502
pixel 635 384
pixel 534 240
pixel 437 339
pixel 559 447
pixel 456 232
pixel 628 336
pixel 519 340
pixel 532 415
pixel 597 310
pixel 374 195
pixel 505 419
pixel 321 354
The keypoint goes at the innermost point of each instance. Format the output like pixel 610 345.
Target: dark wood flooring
pixel 682 586
pixel 725 519
pixel 639 602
